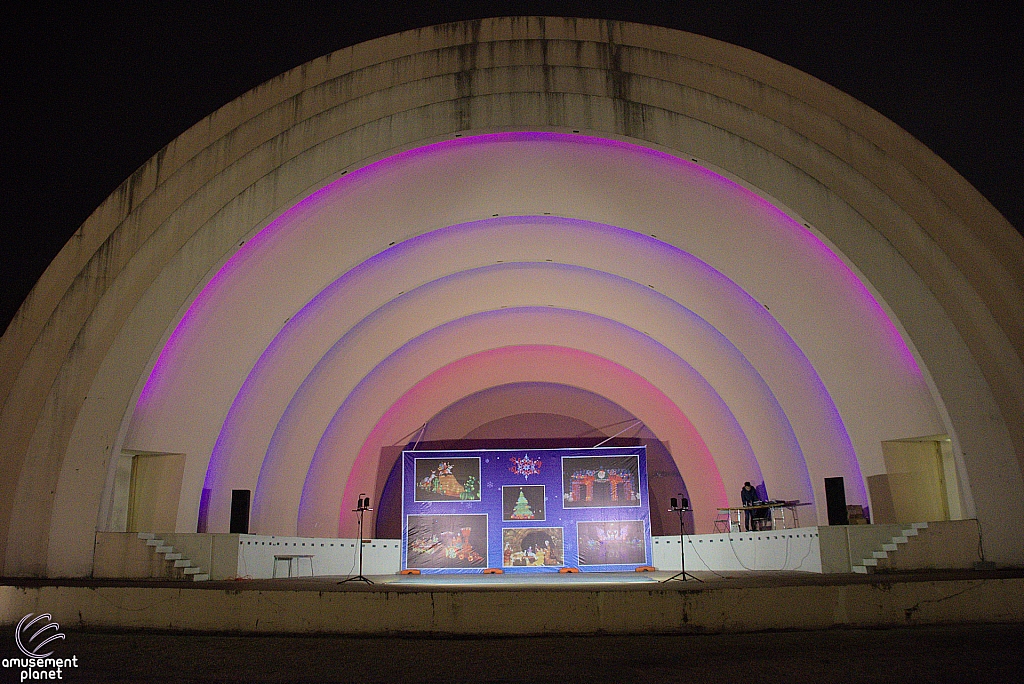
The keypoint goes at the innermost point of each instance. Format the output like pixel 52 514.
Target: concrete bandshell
pixel 792 382
pixel 471 169
pixel 731 453
pixel 518 363
pixel 942 259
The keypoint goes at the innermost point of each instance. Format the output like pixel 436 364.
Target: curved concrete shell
pixel 770 276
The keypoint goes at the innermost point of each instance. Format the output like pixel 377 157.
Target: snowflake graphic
pixel 490 485
pixel 525 466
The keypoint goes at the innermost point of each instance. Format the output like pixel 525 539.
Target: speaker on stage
pixel 240 511
pixel 835 496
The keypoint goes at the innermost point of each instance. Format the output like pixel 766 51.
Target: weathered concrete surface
pixel 721 605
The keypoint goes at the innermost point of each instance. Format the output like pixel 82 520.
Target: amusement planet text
pixel 34 669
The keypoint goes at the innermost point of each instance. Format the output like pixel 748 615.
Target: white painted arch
pixel 942 262
pixel 775 375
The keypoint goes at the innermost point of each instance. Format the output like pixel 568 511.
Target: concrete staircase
pixel 180 567
pixel 886 558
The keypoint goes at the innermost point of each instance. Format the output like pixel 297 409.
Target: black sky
pixel 88 95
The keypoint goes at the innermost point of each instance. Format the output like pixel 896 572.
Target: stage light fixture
pixel 362 506
pixel 680 509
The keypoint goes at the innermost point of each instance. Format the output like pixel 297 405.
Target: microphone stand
pixel 682 575
pixel 361 509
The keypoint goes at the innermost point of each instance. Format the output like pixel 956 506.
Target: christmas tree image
pixel 522 510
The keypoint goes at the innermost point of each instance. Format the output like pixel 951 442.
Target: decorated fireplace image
pixel 525 510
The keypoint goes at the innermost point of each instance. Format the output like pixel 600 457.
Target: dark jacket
pixel 749 496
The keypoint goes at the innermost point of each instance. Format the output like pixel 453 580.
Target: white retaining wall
pixel 796 549
pixel 330 556
pixel 946 545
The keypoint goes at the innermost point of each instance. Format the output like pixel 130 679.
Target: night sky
pixel 88 95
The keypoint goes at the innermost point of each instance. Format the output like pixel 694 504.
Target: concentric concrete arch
pixel 888 273
pixel 771 374
pixel 545 410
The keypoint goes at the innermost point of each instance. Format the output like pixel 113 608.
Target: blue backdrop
pixel 525 510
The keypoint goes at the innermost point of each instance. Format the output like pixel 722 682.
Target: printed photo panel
pixel 447 541
pixel 535 547
pixel 612 542
pixel 601 482
pixel 448 479
pixel 522 503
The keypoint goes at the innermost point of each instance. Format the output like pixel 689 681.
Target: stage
pixel 786 579
pixel 611 603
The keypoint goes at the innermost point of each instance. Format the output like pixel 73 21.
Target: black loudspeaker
pixel 675 503
pixel 686 502
pixel 240 511
pixel 835 496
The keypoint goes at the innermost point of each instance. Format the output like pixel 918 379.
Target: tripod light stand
pixel 361 508
pixel 680 506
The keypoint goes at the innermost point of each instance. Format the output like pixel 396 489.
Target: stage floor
pixel 580 579
pixel 583 581
pixel 541 581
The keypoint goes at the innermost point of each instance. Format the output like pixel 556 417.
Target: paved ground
pixel 963 653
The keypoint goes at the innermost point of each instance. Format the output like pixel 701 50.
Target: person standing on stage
pixel 748 497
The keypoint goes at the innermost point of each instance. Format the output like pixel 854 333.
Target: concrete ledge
pixel 714 607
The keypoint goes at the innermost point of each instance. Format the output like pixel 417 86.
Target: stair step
pixel 860 569
pixel 183 563
pixel 172 557
pixel 880 554
pixel 889 547
pixel 154 542
pixel 920 526
pixel 200 578
pixel 870 561
pixel 147 535
pixel 165 549
pixel 900 540
pixel 912 532
pixel 191 570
